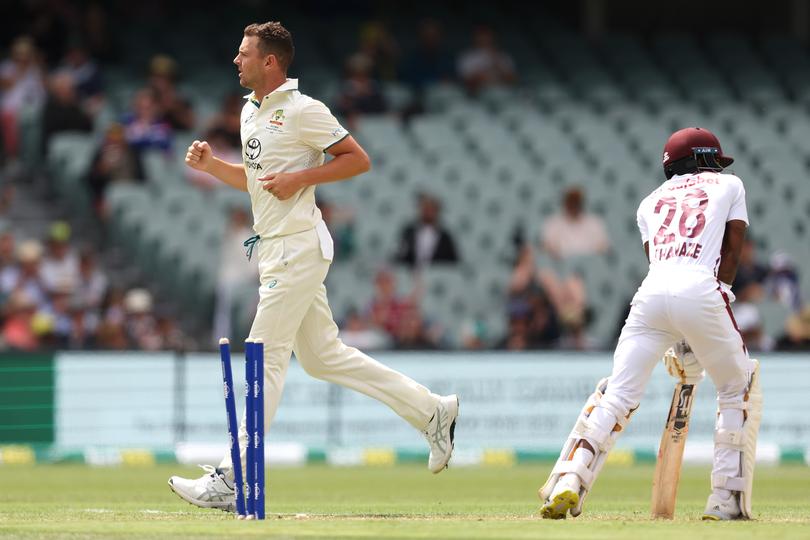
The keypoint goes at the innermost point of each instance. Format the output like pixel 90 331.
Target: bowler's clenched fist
pixel 199 155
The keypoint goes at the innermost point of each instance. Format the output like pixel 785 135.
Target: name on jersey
pixel 684 249
pixel 694 181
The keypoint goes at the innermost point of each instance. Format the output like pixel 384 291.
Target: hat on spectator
pixel 59 232
pixel 29 251
pixel 138 301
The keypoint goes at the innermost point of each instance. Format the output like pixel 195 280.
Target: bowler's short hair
pixel 273 39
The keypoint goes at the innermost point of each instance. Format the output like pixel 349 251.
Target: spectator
pixel 25 275
pixel 218 140
pixel 377 43
pixel 112 331
pixel 84 74
pixel 572 232
pixel 360 94
pixel 426 241
pixel 782 283
pixel 797 332
pixel 115 161
pixel 173 108
pixel 387 306
pixel 18 328
pixel 141 326
pixel 357 331
pixel 91 285
pixel 144 127
pixel 411 332
pixel 485 64
pixel 234 271
pixel 62 110
pixel 751 275
pixel 429 63
pixel 60 312
pixel 22 86
pixel 532 316
pixel 170 335
pixel 7 250
pixel 60 268
pixel 340 222
pixel 227 122
pixel 749 323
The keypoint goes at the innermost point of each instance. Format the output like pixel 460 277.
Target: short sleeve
pixel 738 209
pixel 642 224
pixel 318 127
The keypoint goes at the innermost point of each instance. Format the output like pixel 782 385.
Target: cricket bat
pixel 670 452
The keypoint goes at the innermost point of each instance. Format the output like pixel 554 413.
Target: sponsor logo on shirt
pixel 277 117
pixel 253 149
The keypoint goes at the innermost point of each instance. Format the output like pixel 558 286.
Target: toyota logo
pixel 253 148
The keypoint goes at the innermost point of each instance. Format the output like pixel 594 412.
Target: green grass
pixel 66 501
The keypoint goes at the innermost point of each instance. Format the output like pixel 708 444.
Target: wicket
pixel 249 494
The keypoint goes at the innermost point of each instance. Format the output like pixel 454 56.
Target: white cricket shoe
pixel 563 498
pixel 440 433
pixel 208 491
pixel 719 509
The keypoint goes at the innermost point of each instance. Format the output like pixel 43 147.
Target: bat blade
pixel 670 452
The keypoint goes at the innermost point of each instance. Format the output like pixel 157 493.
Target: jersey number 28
pixel 692 220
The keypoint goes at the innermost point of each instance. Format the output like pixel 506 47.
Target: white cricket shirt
pixel 684 220
pixel 285 132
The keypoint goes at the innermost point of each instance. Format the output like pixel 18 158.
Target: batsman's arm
pixel 730 251
pixel 200 157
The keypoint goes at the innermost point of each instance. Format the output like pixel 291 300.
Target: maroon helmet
pixel 693 149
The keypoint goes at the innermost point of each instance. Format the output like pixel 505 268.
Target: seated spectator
pixel 7 250
pixel 84 74
pixel 141 326
pixel 145 127
pixel 797 332
pixel 60 267
pixel 220 145
pixel 170 336
pixel 379 45
pixel 573 232
pixel 426 241
pixel 357 331
pixel 173 108
pixel 412 332
pixel 429 63
pixel 340 222
pixel 63 111
pixel 751 275
pixel 227 123
pixel 111 332
pixel 83 326
pixel 18 328
pixel 749 324
pixel 782 283
pixel 91 286
pixel 115 161
pixel 359 93
pixel 21 86
pixel 532 316
pixel 485 64
pixel 387 306
pixel 25 276
pixel 234 271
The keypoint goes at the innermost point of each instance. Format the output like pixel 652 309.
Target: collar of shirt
pixel 289 84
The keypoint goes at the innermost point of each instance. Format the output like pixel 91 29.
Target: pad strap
pixel 577 468
pixel 585 429
pixel 731 483
pixel 725 404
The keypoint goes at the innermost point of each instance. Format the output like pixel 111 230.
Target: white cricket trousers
pixel 675 304
pixel 294 315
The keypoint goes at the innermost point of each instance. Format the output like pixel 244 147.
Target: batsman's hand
pixel 199 156
pixel 682 364
pixel 282 185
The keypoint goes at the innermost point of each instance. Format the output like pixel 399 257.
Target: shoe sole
pixel 558 507
pixel 198 504
pixel 452 439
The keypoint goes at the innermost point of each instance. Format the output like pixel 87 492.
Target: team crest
pixel 277 117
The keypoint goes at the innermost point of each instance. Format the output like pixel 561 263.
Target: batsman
pixel 692 228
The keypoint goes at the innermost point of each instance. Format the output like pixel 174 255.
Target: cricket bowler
pixel 285 138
